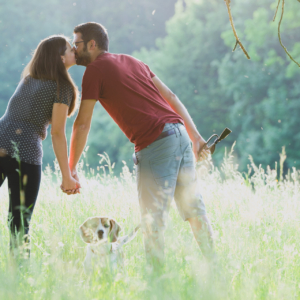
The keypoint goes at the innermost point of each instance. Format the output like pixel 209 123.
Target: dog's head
pixel 96 229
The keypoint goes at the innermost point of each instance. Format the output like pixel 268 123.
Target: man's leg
pixel 189 199
pixel 153 230
pixel 157 173
pixel 154 203
pixel 203 234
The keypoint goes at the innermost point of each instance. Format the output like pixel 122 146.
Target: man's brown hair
pixel 93 31
pixel 46 64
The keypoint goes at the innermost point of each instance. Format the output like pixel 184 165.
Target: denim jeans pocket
pixel 187 173
pixel 164 171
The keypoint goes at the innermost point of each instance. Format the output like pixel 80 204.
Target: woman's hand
pixel 70 186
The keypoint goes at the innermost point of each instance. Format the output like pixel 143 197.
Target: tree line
pixel 259 98
pixel 190 49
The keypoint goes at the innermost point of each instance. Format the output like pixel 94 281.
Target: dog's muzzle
pixel 100 234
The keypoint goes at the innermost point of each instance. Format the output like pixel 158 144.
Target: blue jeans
pixel 166 170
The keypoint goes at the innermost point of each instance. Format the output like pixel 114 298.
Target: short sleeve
pixel 150 72
pixel 65 94
pixel 91 84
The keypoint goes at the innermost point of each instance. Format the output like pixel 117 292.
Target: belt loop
pixel 177 125
pixel 175 129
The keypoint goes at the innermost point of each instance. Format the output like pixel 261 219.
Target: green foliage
pixel 266 98
pixel 257 99
pixel 255 223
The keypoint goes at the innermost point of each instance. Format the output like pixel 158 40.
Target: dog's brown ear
pixel 115 228
pixel 86 234
pixel 88 228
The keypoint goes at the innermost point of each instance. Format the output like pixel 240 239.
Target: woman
pixel 46 94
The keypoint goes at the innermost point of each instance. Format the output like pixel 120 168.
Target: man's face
pixel 83 57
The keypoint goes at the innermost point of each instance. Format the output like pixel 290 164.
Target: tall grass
pixel 255 217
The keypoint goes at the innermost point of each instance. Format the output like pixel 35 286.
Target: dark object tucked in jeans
pixel 28 181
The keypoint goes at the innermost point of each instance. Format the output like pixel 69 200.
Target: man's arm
pixel 80 133
pixel 179 108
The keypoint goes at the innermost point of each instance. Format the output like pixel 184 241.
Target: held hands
pixel 199 149
pixel 71 185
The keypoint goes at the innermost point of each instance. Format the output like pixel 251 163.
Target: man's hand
pixel 71 186
pixel 199 151
pixel 75 175
pixel 81 128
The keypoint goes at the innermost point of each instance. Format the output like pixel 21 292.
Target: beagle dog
pixel 104 246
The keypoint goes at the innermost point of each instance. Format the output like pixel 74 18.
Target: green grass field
pixel 255 221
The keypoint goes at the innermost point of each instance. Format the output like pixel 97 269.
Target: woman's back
pixel 28 115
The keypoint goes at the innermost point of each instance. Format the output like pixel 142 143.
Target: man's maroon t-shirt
pixel 124 87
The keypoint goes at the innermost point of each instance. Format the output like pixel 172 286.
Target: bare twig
pixel 234 31
pixel 279 36
pixel 277 10
pixel 236 43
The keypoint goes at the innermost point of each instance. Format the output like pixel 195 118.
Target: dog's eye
pixel 106 225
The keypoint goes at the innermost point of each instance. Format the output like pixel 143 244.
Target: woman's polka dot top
pixel 27 117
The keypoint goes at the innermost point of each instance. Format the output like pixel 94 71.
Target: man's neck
pixel 97 54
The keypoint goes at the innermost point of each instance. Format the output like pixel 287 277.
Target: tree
pixel 257 98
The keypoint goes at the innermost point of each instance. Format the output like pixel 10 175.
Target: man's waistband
pixel 166 132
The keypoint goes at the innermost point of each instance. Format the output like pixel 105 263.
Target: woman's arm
pixel 59 142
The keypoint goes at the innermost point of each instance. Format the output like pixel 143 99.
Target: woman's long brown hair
pixel 46 64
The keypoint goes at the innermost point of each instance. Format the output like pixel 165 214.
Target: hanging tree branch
pixel 238 42
pixel 279 36
pixel 277 10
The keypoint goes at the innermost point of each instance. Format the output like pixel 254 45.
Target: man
pixel 152 117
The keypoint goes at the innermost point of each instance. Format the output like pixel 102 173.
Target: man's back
pixel 124 87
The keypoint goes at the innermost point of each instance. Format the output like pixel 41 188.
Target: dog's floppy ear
pixel 115 228
pixel 88 228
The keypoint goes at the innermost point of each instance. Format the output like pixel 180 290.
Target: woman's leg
pixel 2 173
pixel 23 187
pixel 31 179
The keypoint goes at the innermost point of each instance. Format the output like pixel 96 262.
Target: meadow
pixel 255 217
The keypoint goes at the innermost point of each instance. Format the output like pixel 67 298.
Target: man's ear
pixel 115 228
pixel 92 45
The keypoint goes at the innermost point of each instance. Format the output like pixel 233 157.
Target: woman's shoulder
pixel 65 85
pixel 65 88
pixel 39 82
pixel 46 82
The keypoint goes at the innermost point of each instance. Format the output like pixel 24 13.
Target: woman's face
pixel 69 57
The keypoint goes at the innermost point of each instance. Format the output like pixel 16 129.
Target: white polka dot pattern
pixel 27 117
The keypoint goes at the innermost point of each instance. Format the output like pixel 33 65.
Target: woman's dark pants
pixel 23 187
